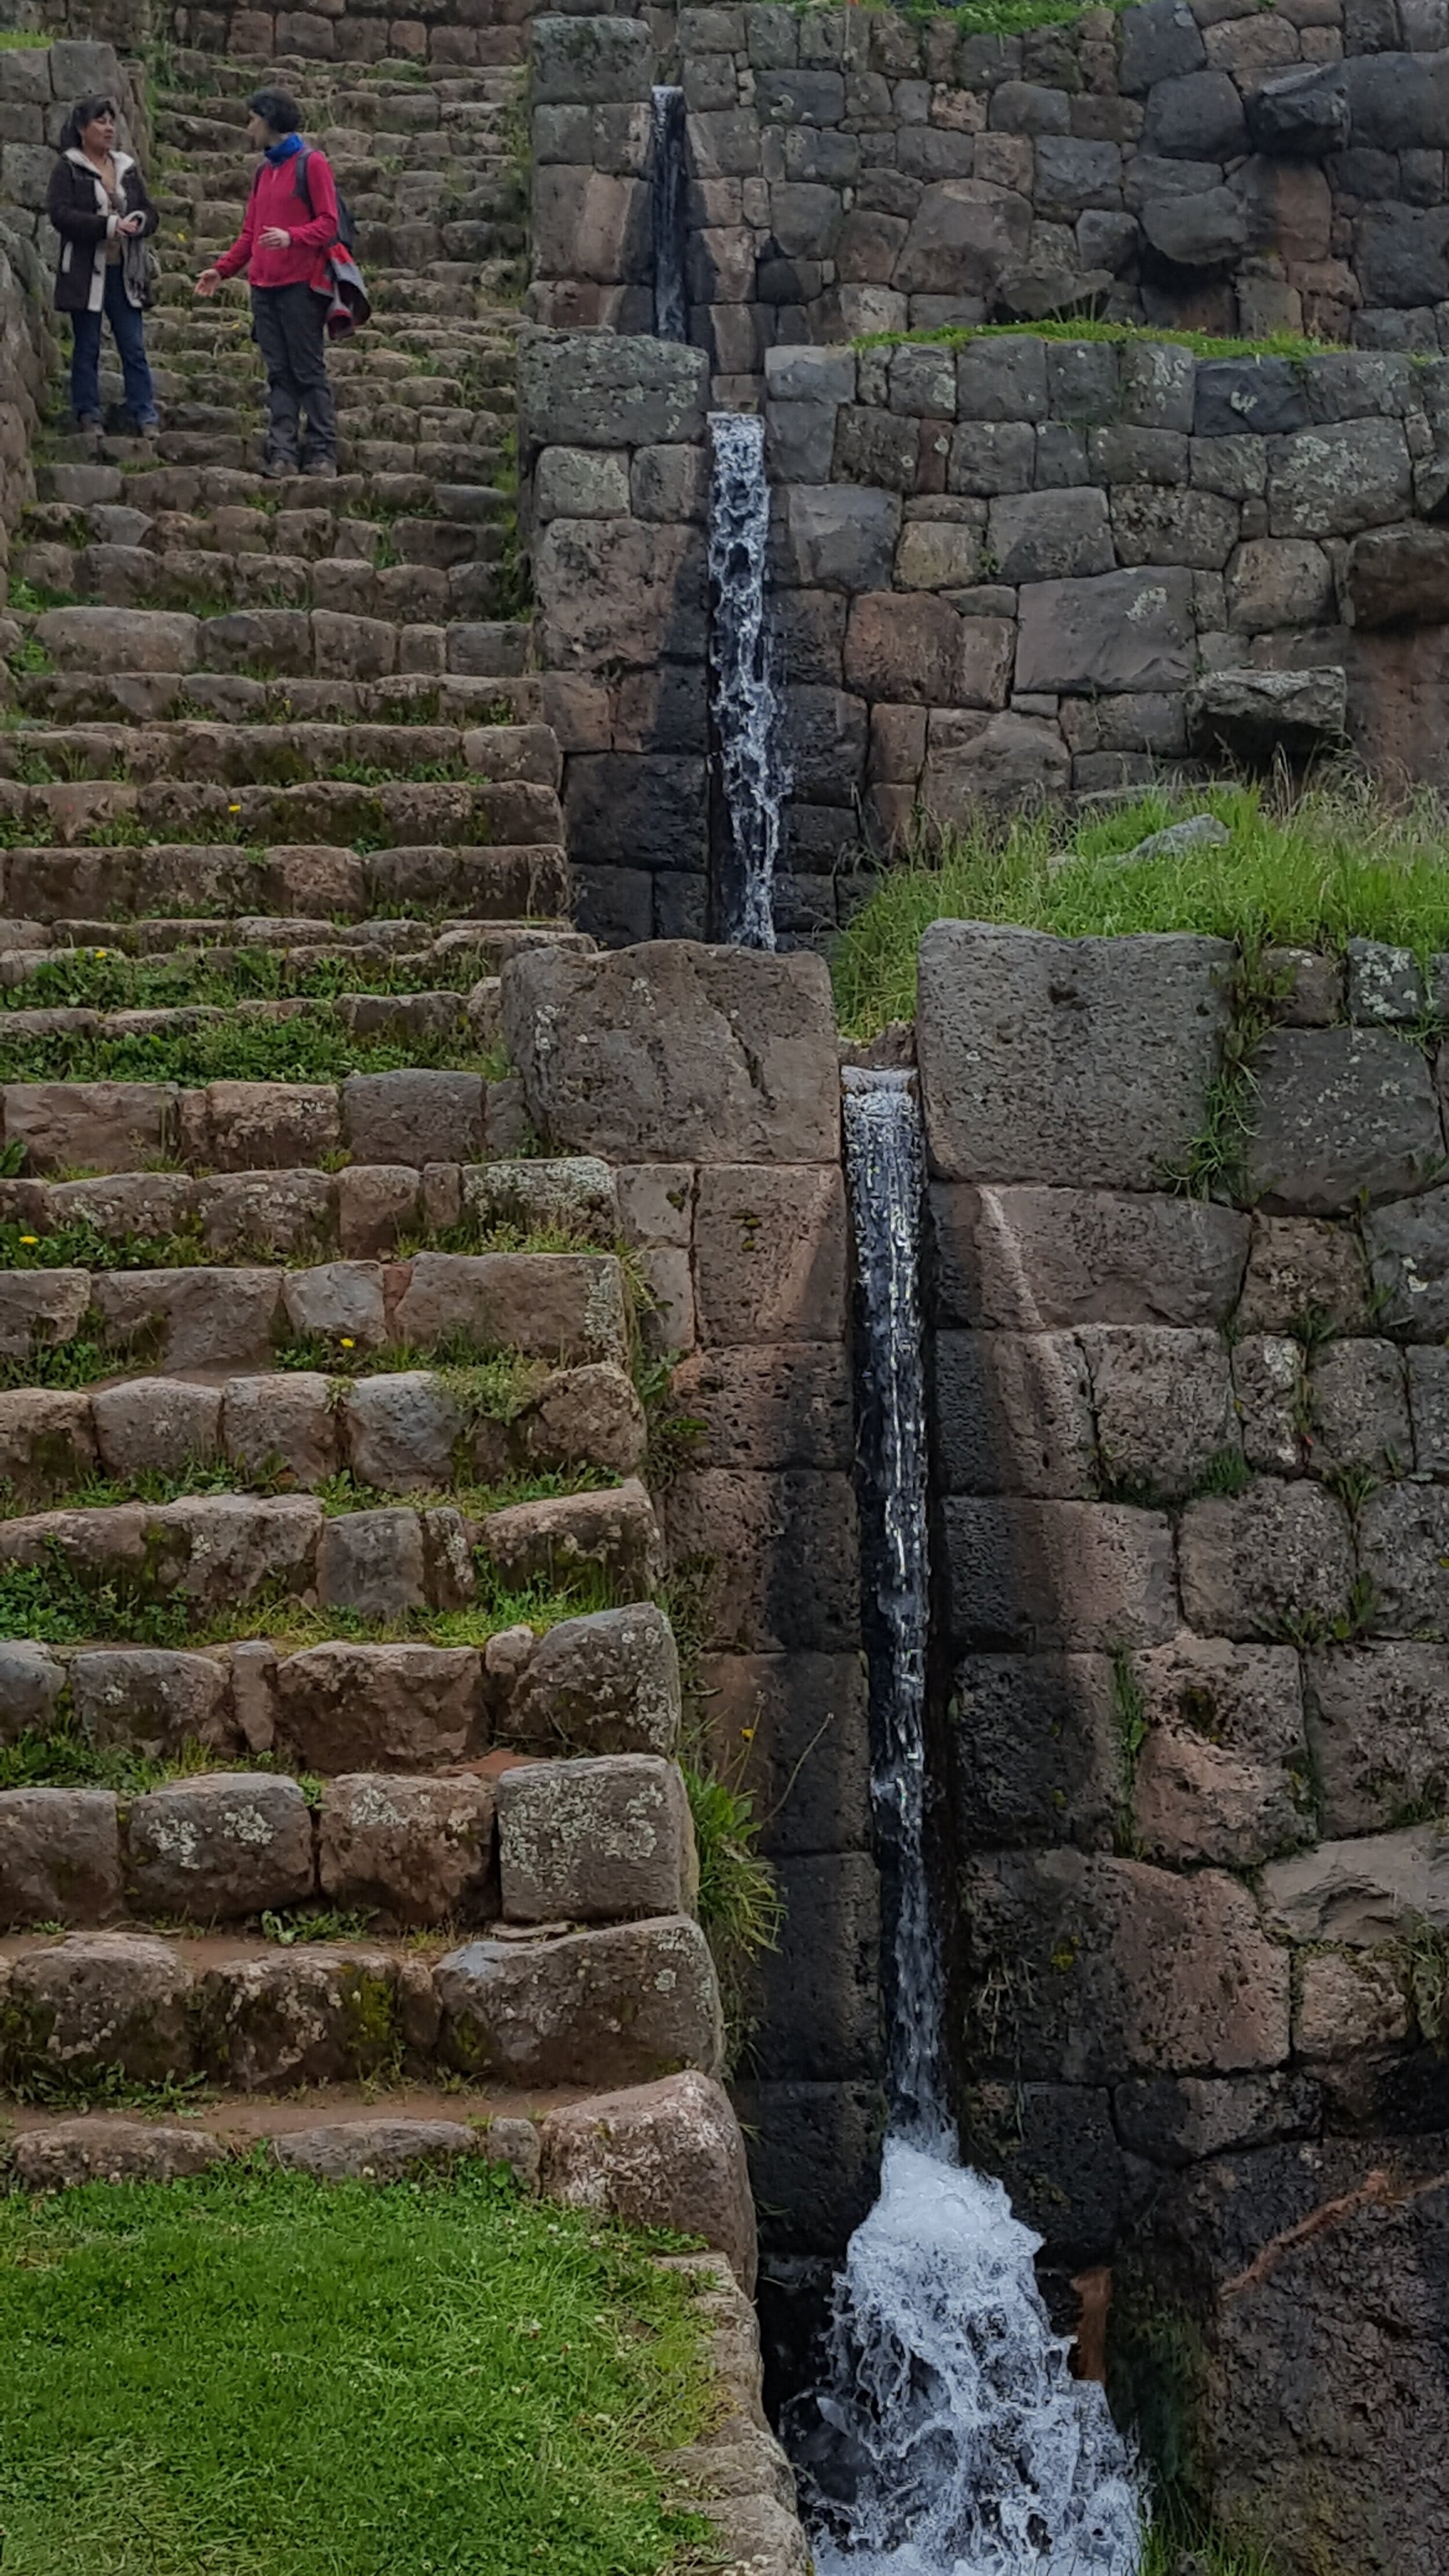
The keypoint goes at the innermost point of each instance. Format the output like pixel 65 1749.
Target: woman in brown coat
pixel 99 206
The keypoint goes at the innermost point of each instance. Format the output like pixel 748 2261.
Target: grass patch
pixel 72 1364
pixel 740 1908
pixel 1204 344
pixel 50 1605
pixel 265 2375
pixel 1176 2539
pixel 15 40
pixel 315 1047
pixel 1308 872
pixel 107 979
pixel 65 1759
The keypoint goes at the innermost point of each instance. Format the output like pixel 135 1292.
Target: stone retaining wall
pixel 719 1067
pixel 1224 169
pixel 1192 1517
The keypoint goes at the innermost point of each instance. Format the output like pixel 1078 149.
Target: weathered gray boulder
pixel 606 1683
pixel 1084 1062
pixel 1251 1562
pixel 60 1858
pixel 1302 114
pixel 585 390
pixel 1198 232
pixel 667 2154
pixel 620 2006
pixel 1378 1723
pixel 638 1056
pixel 594 1841
pixel 1361 1892
pixel 1339 1113
pixel 1257 714
pixel 232 1844
pixel 411 1851
pixel 1030 1259
pixel 1400 576
pixel 1115 631
pixel 109 2150
pixel 100 1999
pixel 344 1707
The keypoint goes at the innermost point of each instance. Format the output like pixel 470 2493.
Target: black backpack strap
pixel 303 191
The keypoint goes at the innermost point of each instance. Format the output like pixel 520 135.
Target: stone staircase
pixel 341 1733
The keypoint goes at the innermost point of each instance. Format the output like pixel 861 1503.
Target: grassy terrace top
pixel 1332 865
pixel 270 2376
pixel 957 335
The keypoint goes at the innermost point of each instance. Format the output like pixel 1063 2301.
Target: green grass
pixel 1174 2538
pixel 956 335
pixel 107 979
pixel 1310 872
pixel 65 1759
pixel 14 40
pixel 740 1909
pixel 49 1604
pixel 257 2374
pixel 314 1048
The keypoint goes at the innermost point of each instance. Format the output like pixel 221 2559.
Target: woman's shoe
pixel 88 424
pixel 279 469
pixel 323 465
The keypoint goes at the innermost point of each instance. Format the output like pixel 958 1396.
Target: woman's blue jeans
pixel 129 326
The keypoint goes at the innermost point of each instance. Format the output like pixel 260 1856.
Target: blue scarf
pixel 277 153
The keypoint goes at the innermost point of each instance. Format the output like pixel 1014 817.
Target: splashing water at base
pixel 948 2437
pixel 951 2438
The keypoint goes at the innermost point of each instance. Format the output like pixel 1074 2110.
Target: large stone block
pixel 1358 1395
pixel 590 60
pixel 793 1730
pixel 1049 1577
pixel 32 1683
pixel 566 1307
pixel 1050 536
pixel 1408 1249
pixel 598 390
pixel 594 1841
pixel 816 1997
pixel 787 1404
pixel 1036 1751
pixel 1300 1267
pixel 1341 1115
pixel 614 1531
pixel 232 1844
pixel 1013 1415
pixel 1363 1892
pixel 396 1708
pixel 1085 1062
pixel 964 233
pixel 814 2152
pixel 605 1683
pixel 411 1851
pixel 1330 482
pixel 60 1858
pixel 1400 577
pixel 673 1052
pixel 1087 1969
pixel 1274 1556
pixel 667 2154
pixel 99 2000
pixel 149 1700
pixel 1054 2147
pixel 1223 1770
pixel 1404 1553
pixel 623 591
pixel 770 1254
pixel 1378 1723
pixel 625 2005
pixel 1126 631
pixel 324 2015
pixel 1029 1260
pixel 1162 1402
pixel 781 1553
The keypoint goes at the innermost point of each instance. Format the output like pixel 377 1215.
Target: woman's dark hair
pixel 275 109
pixel 84 113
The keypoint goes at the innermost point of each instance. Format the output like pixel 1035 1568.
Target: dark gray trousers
pixel 290 326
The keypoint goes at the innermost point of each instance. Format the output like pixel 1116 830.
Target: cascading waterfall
pixel 948 2438
pixel 743 707
pixel 667 214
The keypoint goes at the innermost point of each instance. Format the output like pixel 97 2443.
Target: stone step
pixel 622 2004
pixel 603 1682
pixel 157 492
pixel 224 1555
pixel 301 1212
pixel 412 1431
pixel 238 754
pixel 569 1308
pixel 192 953
pixel 149 696
pixel 340 2135
pixel 326 813
pixel 498 1844
pixel 418 591
pixel 104 880
pixel 285 643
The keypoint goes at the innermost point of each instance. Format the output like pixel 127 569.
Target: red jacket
pixel 277 199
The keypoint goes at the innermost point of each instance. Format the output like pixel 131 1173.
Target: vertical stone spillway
pixel 744 712
pixel 948 2437
pixel 671 318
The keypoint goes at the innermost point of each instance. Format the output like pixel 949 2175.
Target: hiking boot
pixel 278 468
pixel 323 465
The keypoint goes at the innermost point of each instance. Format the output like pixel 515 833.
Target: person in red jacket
pixel 290 227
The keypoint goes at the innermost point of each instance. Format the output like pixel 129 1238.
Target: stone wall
pixel 440 32
pixel 1016 568
pixel 708 1077
pixel 1221 168
pixel 1192 1519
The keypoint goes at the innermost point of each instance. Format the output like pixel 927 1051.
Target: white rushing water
pixel 671 321
pixel 949 2437
pixel 743 704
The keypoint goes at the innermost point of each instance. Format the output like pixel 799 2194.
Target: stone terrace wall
pixel 439 32
pixel 1190 1461
pixel 1019 567
pixel 1214 166
pixel 709 1077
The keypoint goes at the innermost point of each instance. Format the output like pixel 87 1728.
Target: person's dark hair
pixel 84 113
pixel 275 109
